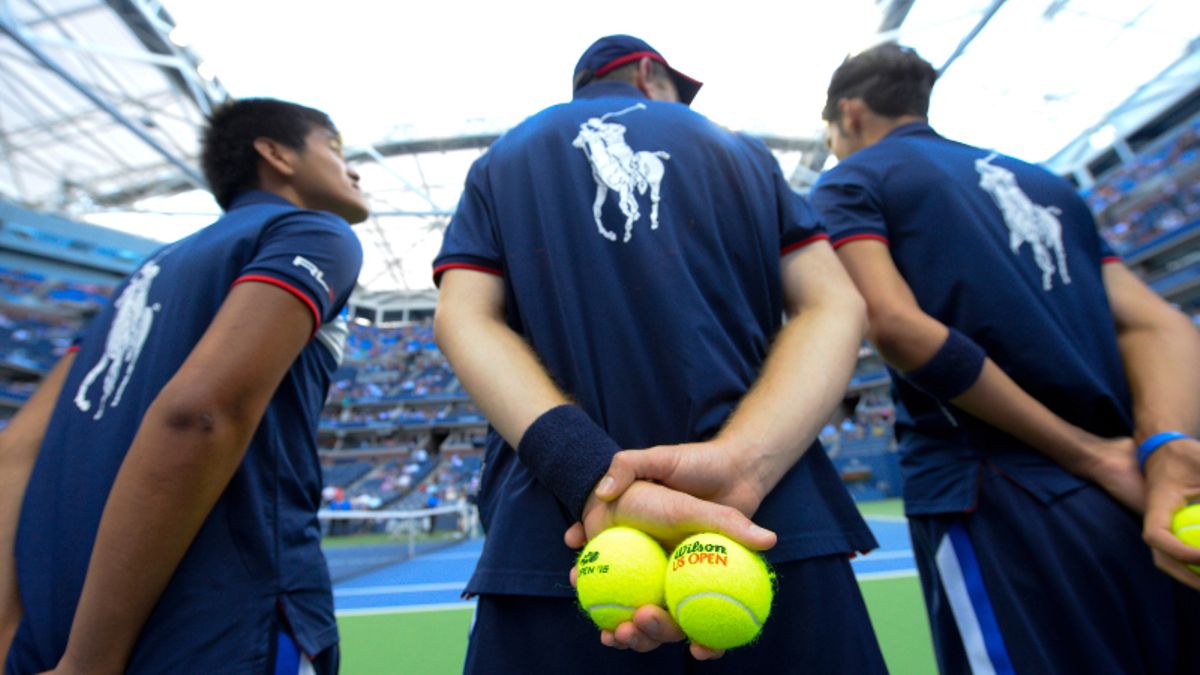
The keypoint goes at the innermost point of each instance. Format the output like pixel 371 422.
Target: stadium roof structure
pixel 101 102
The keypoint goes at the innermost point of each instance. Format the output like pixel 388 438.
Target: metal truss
pixel 93 94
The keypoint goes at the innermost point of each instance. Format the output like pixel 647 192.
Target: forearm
pixel 1163 368
pixel 174 472
pixel 803 380
pixel 994 397
pixel 499 370
pixel 19 447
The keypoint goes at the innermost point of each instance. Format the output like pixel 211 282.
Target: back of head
pixel 228 156
pixel 892 81
pixel 616 56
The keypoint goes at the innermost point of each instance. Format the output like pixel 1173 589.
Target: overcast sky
pixel 1039 75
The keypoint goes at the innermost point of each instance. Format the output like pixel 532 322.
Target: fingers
pixel 650 628
pixel 574 575
pixel 575 536
pixel 629 465
pixel 655 623
pixel 1160 508
pixel 1163 541
pixel 1177 570
pixel 702 653
pixel 628 636
pixel 735 525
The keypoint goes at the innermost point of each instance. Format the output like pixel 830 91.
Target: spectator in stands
pixel 994 301
pixel 656 328
pixel 169 521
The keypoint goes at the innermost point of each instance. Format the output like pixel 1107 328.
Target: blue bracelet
pixel 1155 442
pixel 568 453
pixel 952 370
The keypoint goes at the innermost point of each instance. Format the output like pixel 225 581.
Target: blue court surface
pixel 435 581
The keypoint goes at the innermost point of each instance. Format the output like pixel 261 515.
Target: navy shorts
pixel 818 624
pixel 1023 586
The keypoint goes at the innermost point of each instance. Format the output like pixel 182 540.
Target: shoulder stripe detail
pixel 437 271
pixel 1110 259
pixel 803 242
pixel 290 289
pixel 856 237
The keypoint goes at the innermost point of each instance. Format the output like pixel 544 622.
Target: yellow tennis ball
pixel 620 570
pixel 718 591
pixel 1186 526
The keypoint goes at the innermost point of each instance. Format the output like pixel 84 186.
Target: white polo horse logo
pixel 616 167
pixel 126 337
pixel 1027 222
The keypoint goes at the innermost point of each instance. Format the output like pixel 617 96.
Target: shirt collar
pixel 251 197
pixel 608 88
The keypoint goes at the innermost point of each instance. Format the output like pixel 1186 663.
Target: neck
pixel 882 126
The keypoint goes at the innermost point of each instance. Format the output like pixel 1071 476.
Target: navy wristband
pixel 1155 442
pixel 568 453
pixel 952 370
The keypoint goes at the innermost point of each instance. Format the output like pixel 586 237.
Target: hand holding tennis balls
pixel 619 571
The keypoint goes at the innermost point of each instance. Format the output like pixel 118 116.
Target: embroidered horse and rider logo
pixel 1027 222
pixel 126 337
pixel 617 167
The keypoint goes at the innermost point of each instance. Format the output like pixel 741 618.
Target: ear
pixel 852 110
pixel 643 75
pixel 275 155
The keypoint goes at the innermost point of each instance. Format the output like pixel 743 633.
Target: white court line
pixel 406 609
pixel 404 588
pixel 880 576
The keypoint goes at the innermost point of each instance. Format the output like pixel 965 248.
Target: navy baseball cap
pixel 612 52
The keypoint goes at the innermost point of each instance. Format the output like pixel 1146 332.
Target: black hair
pixel 227 153
pixel 892 81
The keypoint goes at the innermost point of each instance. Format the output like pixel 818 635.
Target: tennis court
pixel 408 617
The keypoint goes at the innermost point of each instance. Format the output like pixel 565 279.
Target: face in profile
pixel 325 181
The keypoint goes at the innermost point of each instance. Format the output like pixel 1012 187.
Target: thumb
pixel 655 464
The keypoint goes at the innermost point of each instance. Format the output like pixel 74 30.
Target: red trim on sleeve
pixel 72 349
pixel 290 289
pixel 1110 259
pixel 803 242
pixel 856 237
pixel 437 271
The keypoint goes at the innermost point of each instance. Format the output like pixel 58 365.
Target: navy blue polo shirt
pixel 258 553
pixel 639 245
pixel 1008 254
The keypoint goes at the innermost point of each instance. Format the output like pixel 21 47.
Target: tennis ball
pixel 1186 526
pixel 718 591
pixel 620 570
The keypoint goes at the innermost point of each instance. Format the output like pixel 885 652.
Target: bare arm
pixel 505 379
pixel 496 366
pixel 190 442
pixel 20 443
pixel 1161 351
pixel 907 338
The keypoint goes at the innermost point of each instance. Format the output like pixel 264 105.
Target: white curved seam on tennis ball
pixel 1188 528
pixel 610 605
pixel 713 594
